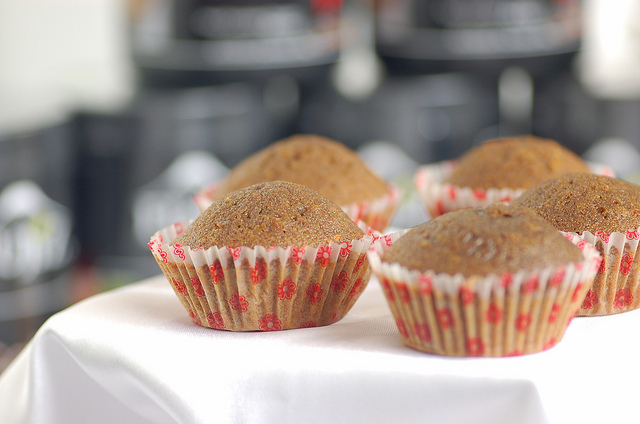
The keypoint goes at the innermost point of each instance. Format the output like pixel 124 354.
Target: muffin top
pixel 586 202
pixel 515 162
pixel 481 241
pixel 326 166
pixel 275 213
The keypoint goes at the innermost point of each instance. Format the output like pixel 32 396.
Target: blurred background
pixel 113 113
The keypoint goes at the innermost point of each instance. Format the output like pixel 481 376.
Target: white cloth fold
pixel 132 355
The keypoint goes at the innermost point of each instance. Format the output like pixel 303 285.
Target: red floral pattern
pixel 239 303
pixel 403 290
pixel 345 248
pixel 308 324
pixel 590 300
pixel 623 299
pixel 402 328
pixel 553 315
pixel 451 191
pixel 445 316
pixel 439 206
pixel 339 282
pixel 179 251
pixel 234 252
pixel 467 295
pixel 625 264
pixel 216 320
pixel 357 288
pixel 194 317
pixel 359 264
pixel 296 254
pixel 422 331
pixel 574 297
pixel 475 346
pixel 604 236
pixel 506 280
pixel 522 322
pixel 323 255
pixel 551 343
pixel 180 286
pixel 494 314
pixel 197 286
pixel 286 289
pixel 162 254
pixel 217 272
pixel 632 235
pixel 258 272
pixel 270 322
pixel 479 194
pixel 314 293
pixel 557 277
pixel 386 287
pixel 530 285
pixel 425 283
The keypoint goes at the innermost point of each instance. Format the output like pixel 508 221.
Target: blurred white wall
pixel 58 56
pixel 609 63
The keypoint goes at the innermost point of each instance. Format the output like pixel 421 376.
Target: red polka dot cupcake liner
pixel 376 213
pixel 264 288
pixel 497 315
pixel 439 197
pixel 616 287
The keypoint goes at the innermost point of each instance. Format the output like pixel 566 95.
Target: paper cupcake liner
pixel 497 315
pixel 264 289
pixel 439 197
pixel 376 213
pixel 616 287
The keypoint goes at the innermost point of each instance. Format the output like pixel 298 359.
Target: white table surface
pixel 132 355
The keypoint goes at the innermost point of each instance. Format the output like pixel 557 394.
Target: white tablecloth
pixel 132 355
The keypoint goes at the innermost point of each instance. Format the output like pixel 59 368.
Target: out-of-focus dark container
pixel 431 117
pixel 37 244
pixel 127 153
pixel 477 36
pixel 202 42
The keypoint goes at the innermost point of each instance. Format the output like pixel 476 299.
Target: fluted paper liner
pixel 439 197
pixel 264 289
pixel 376 213
pixel 616 287
pixel 497 315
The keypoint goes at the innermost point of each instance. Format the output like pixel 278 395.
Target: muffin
pixel 498 170
pixel 605 212
pixel 494 281
pixel 328 167
pixel 271 256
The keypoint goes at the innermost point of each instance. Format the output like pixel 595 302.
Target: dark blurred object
pixel 122 154
pixel 430 117
pixel 37 245
pixel 202 42
pixel 477 36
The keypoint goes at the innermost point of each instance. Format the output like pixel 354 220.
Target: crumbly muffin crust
pixel 325 165
pixel 585 202
pixel 482 241
pixel 276 213
pixel 515 162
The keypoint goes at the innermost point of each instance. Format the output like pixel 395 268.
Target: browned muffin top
pixel 482 241
pixel 326 166
pixel 586 202
pixel 515 162
pixel 276 213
